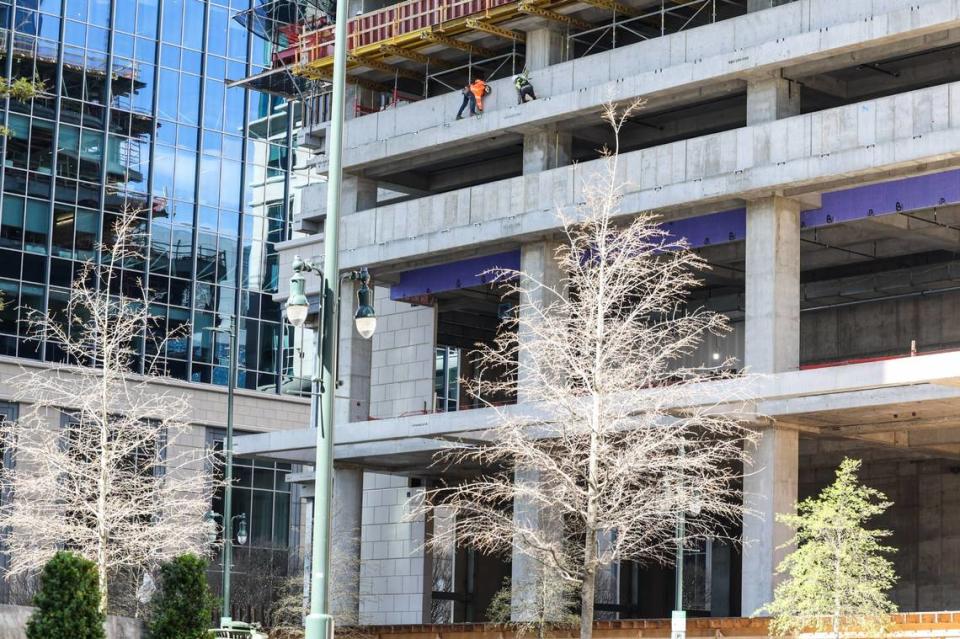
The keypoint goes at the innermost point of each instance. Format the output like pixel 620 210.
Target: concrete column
pixel 353 394
pixel 359 194
pixel 772 345
pixel 396 581
pixel 772 325
pixel 536 260
pixel 772 98
pixel 345 545
pixel 546 149
pixel 545 46
pixel 769 487
pixel 526 573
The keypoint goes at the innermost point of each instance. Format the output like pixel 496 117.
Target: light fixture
pixel 716 356
pixel 210 519
pixel 242 529
pixel 297 304
pixel 365 318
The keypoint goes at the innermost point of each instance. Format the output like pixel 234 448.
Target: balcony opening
pixel 877 74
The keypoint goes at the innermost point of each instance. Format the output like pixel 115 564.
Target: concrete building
pixel 808 149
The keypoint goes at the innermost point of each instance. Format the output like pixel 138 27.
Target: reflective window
pixel 151 148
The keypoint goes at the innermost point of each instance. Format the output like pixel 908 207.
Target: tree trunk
pixel 588 588
pixel 589 585
pixel 103 533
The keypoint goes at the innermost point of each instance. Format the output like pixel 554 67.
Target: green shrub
pixel 183 605
pixel 68 602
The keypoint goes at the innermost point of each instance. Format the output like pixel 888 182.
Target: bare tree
pixel 613 441
pixel 112 482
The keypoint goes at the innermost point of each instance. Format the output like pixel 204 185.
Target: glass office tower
pixel 136 114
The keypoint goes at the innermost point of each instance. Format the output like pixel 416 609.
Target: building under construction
pixel 808 149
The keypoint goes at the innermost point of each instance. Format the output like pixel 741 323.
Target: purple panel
pixel 715 228
pixel 451 276
pixel 907 194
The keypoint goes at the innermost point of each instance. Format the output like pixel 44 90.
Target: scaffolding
pixel 281 24
pixel 628 25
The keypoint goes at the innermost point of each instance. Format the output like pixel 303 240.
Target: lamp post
pixel 227 550
pixel 319 623
pixel 678 623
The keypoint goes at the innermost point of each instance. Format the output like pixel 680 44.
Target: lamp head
pixel 210 519
pixel 242 529
pixel 297 304
pixel 365 318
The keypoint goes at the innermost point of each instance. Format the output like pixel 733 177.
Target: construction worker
pixel 479 89
pixel 467 99
pixel 524 88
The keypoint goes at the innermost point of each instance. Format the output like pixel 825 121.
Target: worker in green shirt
pixel 524 88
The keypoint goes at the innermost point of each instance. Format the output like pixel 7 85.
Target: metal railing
pixel 668 17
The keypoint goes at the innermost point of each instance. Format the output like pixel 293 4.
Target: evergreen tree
pixel 183 606
pixel 838 577
pixel 68 602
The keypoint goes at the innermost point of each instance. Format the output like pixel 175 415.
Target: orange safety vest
pixel 478 89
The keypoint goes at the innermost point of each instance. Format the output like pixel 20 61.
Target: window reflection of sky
pixel 173 148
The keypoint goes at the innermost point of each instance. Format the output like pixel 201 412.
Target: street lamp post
pixel 227 550
pixel 678 624
pixel 319 623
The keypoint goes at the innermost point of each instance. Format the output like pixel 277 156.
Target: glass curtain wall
pixel 136 115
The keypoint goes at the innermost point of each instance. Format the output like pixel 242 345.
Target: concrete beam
pixel 795 397
pixel 944 235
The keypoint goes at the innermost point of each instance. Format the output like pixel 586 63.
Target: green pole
pixel 319 623
pixel 228 479
pixel 678 587
pixel 678 625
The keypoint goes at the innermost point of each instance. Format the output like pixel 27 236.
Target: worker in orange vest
pixel 479 89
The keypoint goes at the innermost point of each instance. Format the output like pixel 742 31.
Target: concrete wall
pixel 392 580
pixel 403 357
pixel 881 328
pixel 13 623
pixel 924 518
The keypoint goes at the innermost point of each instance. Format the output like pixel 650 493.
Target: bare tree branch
pixel 115 484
